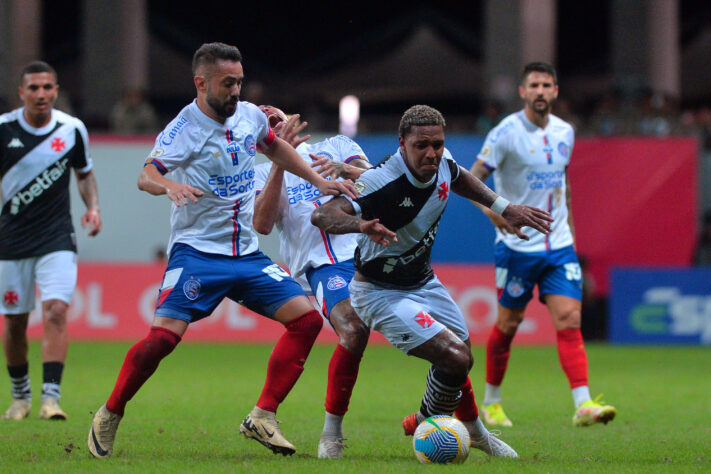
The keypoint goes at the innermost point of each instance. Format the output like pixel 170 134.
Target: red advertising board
pixel 116 302
pixel 634 202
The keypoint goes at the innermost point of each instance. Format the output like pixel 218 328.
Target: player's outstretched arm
pixel 338 216
pixel 153 182
pixel 337 169
pixel 284 155
pixel 516 216
pixel 481 172
pixel 88 190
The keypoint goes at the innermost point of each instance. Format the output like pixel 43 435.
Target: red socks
pixel 140 363
pixel 571 352
pixel 498 349
pixel 288 357
pixel 342 375
pixel 467 409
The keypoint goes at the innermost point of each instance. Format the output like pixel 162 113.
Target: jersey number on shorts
pixel 276 272
pixel 572 271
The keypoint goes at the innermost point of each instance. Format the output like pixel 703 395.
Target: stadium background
pixel 633 80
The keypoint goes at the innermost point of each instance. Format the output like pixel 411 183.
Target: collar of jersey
pixel 410 177
pixel 208 121
pixel 532 127
pixel 35 131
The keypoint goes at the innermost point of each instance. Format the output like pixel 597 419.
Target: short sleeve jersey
pixel 529 165
pixel 35 166
pixel 219 160
pixel 304 246
pixel 408 207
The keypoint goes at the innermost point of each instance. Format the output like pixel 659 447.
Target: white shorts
pixel 408 318
pixel 55 274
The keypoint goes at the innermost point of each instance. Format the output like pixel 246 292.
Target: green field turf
pixel 186 418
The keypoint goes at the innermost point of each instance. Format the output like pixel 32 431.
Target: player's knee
pixel 354 336
pixel 458 360
pixel 509 325
pixel 16 326
pixel 569 319
pixel 55 314
pixel 310 323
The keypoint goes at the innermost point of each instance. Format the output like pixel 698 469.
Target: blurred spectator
pixel 4 105
pixel 133 114
pixel 702 254
pixel 703 122
pixel 489 118
pixel 564 109
pixel 606 118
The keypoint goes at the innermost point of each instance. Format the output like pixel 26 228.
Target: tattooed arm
pixel 338 216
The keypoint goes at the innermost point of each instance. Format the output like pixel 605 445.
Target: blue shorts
pixel 329 284
pixel 557 272
pixel 196 282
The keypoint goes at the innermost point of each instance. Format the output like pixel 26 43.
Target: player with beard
pixel 529 153
pixel 209 148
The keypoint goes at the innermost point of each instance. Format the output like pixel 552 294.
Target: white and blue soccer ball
pixel 441 439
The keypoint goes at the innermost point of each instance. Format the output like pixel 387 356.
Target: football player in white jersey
pixel 39 148
pixel 529 153
pixel 210 149
pixel 321 262
pixel 395 290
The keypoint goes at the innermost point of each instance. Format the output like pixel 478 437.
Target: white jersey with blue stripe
pixel 304 246
pixel 529 165
pixel 219 160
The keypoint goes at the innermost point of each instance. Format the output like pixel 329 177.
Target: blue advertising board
pixel 660 306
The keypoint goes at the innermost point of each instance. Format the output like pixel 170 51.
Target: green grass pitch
pixel 186 417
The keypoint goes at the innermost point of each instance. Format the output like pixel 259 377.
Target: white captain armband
pixel 499 205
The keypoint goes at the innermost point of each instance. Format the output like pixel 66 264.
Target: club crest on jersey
pixel 515 287
pixel 359 186
pixel 191 288
pixel 424 319
pixel 443 191
pixel 336 283
pixel 563 149
pixel 10 298
pixel 250 145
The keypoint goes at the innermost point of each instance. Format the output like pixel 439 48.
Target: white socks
pixel 333 426
pixel 581 395
pixel 492 394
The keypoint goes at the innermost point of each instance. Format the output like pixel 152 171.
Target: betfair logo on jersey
pixel 225 186
pixel 39 186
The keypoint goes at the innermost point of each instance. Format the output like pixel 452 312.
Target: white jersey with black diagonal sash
pixel 35 168
pixel 409 208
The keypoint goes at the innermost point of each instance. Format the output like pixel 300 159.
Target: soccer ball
pixel 441 439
